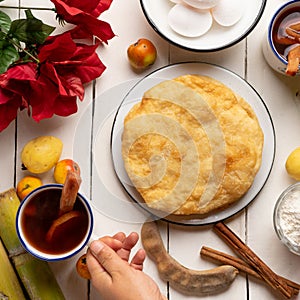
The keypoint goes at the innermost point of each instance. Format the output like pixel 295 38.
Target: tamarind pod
pixel 187 281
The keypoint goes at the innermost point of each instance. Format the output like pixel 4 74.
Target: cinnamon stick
pixel 293 34
pixel 295 26
pixel 293 61
pixel 230 260
pixel 69 192
pixel 253 260
pixel 241 265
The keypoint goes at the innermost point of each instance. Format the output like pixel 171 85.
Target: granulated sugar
pixel 289 217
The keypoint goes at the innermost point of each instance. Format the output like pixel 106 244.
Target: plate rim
pixel 214 49
pixel 176 222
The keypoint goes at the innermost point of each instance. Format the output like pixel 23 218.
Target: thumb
pixel 107 257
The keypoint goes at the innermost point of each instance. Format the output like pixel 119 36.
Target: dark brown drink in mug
pixel 283 39
pixel 40 213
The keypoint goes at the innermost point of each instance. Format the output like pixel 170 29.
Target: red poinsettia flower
pixel 50 97
pixel 84 14
pixel 51 83
pixel 64 67
pixel 93 7
pixel 72 58
pixel 14 91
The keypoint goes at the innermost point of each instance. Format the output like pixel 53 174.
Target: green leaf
pixel 5 22
pixel 29 14
pixel 30 31
pixel 8 55
pixel 2 35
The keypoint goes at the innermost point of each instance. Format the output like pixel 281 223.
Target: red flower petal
pixel 5 96
pixel 103 5
pixel 90 66
pixel 65 106
pixel 61 95
pixel 73 85
pixel 87 22
pixel 86 6
pixel 48 71
pixel 65 81
pixel 91 69
pixel 22 72
pixel 57 48
pixel 52 104
pixel 84 64
pixel 16 80
pixel 14 87
pixel 94 7
pixel 42 99
pixel 8 111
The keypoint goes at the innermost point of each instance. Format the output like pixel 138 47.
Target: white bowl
pixel 286 218
pixel 217 38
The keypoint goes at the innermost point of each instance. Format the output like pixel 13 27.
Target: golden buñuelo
pixel 191 146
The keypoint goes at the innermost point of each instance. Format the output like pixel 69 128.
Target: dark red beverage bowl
pixel 36 214
pixel 272 49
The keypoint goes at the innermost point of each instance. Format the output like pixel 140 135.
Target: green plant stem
pixel 24 50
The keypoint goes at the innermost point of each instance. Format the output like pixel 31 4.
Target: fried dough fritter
pixel 191 146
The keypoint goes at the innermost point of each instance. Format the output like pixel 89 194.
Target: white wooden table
pixel 253 224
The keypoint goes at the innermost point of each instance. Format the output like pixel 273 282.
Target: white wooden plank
pixel 232 59
pixel 129 24
pixel 114 56
pixel 7 157
pixel 63 128
pixel 280 95
pixel 36 4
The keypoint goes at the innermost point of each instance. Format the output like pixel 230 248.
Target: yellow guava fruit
pixel 41 154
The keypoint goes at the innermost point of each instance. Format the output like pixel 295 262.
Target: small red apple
pixel 141 54
pixel 62 167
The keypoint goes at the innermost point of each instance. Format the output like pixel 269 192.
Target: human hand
pixel 114 276
pixel 123 245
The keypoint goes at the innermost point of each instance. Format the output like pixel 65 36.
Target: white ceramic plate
pixel 236 83
pixel 216 38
